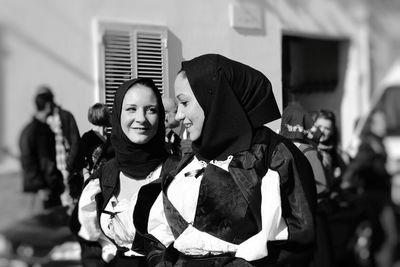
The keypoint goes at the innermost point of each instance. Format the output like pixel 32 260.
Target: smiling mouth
pixel 140 129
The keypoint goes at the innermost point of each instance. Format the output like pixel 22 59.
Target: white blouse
pixel 116 221
pixel 183 193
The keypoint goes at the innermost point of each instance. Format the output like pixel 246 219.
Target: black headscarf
pixel 236 100
pixel 137 160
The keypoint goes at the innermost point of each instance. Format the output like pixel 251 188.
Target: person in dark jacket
pixel 111 216
pixel 246 196
pixel 38 157
pixel 95 145
pixel 66 135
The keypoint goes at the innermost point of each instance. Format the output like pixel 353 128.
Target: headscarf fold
pixel 137 160
pixel 236 100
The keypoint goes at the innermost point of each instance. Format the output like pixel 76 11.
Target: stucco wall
pixel 51 41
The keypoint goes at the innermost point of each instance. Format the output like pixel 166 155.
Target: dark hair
pixel 45 89
pixel 327 114
pixel 42 99
pixel 99 115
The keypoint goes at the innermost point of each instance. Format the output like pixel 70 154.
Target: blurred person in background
pixel 94 146
pixel 66 135
pixel 297 125
pixel 333 158
pixel 172 138
pixel 367 173
pixel 38 157
pixel 114 205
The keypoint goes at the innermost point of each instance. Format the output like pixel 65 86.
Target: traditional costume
pixel 246 195
pixel 104 219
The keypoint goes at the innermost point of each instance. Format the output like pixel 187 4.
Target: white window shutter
pixel 151 57
pixel 131 51
pixel 118 62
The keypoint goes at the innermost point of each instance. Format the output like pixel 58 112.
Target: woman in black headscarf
pixel 113 209
pixel 246 196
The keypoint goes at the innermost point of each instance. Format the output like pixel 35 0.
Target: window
pixel 129 51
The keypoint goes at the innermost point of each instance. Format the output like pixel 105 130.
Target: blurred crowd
pixel 356 222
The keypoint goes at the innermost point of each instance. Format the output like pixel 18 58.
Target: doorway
pixel 313 71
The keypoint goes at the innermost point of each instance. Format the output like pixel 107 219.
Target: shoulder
pixel 308 149
pixel 88 135
pixel 65 114
pixel 31 126
pixel 174 164
pixel 34 128
pixel 367 145
pixel 27 137
pixel 277 146
pixel 170 164
pixel 107 171
pixel 286 156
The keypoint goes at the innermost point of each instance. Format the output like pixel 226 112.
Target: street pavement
pixel 14 205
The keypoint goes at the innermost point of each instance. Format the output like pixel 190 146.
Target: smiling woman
pixel 113 209
pixel 189 109
pixel 140 114
pixel 246 196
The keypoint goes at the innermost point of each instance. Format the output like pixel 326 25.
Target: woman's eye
pixel 131 109
pixel 152 110
pixel 184 103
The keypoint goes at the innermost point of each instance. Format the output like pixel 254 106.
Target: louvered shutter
pixel 118 62
pixel 151 57
pixel 133 51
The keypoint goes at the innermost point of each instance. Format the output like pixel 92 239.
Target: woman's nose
pixel 140 115
pixel 179 115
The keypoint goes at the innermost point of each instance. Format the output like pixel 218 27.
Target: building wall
pixel 52 42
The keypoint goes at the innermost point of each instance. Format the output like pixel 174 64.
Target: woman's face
pixel 140 114
pixel 189 110
pixel 326 128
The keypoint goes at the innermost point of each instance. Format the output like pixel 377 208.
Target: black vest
pixel 229 203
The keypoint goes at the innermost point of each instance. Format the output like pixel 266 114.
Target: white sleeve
pixel 157 224
pixel 87 212
pixel 273 225
pixel 87 216
pixel 195 242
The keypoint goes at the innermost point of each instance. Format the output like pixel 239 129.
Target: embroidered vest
pixel 229 203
